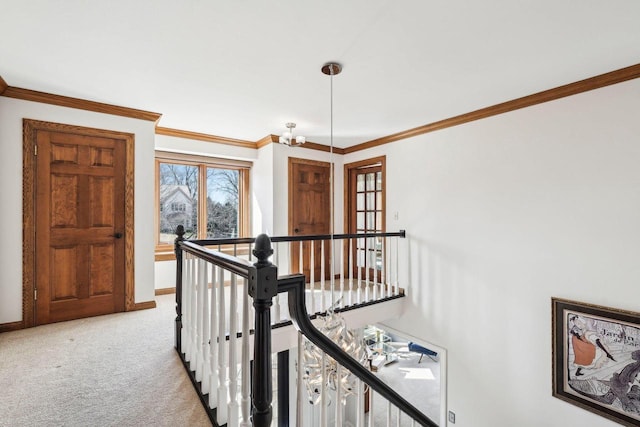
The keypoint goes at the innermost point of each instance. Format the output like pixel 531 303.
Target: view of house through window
pixel 207 198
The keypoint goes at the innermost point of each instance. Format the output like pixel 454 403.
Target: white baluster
pixel 388 414
pixel 277 316
pixel 332 273
pixel 360 403
pixel 397 287
pixel 184 333
pixel 342 303
pixel 312 276
pixel 350 266
pixel 339 406
pixel 213 347
pixel 366 269
pixel 374 271
pixel 299 386
pixel 398 417
pixel 234 405
pixel 323 305
pixel 206 334
pixel 186 301
pixel 222 409
pixel 194 319
pixel 200 338
pixel 323 392
pixel 371 409
pixel 245 403
pixel 387 261
pixel 359 296
pixel 382 269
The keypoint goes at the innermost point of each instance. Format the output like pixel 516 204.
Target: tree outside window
pixel 191 191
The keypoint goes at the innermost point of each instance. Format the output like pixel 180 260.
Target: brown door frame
pixel 294 266
pixel 348 206
pixel 29 147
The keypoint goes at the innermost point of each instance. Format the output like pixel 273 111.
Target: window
pixel 207 196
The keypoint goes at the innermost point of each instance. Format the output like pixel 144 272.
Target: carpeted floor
pixel 419 383
pixel 115 370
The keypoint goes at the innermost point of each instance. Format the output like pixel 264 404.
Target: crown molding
pixel 597 82
pixel 262 142
pixel 204 137
pixel 322 147
pixel 81 104
pixel 3 85
pixel 308 145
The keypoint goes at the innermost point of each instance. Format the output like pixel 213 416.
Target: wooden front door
pixel 79 224
pixel 309 212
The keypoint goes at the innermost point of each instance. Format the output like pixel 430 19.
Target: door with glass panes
pixel 365 214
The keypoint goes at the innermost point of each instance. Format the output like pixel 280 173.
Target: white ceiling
pixel 243 68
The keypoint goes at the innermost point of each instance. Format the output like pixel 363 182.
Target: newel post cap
pixel 263 250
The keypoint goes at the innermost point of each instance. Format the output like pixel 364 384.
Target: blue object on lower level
pixel 422 350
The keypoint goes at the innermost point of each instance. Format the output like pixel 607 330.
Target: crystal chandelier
pixel 314 361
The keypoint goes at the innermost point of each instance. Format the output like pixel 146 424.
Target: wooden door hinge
pixel 35 150
pixel 35 295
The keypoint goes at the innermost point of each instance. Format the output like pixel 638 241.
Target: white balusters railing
pixel 216 319
pixel 215 309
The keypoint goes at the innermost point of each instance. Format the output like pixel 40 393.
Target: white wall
pixel 262 192
pixel 12 111
pixel 501 215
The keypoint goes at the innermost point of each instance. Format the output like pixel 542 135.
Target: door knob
pixel 117 235
pixel 296 230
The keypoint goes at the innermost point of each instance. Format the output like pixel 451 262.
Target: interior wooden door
pixel 80 225
pixel 309 212
pixel 365 213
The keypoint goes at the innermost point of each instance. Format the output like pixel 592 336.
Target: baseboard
pixel 143 305
pixel 11 326
pixel 165 291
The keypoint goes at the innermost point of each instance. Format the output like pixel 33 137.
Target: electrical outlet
pixel 452 417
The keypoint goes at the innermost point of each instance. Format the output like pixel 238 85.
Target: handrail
pixel 247 240
pixel 239 266
pixel 294 285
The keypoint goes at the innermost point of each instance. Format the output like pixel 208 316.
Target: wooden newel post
pixel 178 252
pixel 262 287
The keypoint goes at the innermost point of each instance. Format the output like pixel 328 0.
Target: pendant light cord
pixel 331 69
pixel 331 200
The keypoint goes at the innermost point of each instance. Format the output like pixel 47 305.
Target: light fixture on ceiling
pixel 287 137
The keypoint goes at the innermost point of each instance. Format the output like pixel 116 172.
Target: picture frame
pixel 596 359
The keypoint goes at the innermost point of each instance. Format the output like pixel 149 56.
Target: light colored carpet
pixel 115 370
pixel 419 383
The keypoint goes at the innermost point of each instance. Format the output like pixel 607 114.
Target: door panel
pixel 309 212
pixel 80 208
pixel 365 213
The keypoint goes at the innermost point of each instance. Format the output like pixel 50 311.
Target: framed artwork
pixel 596 359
